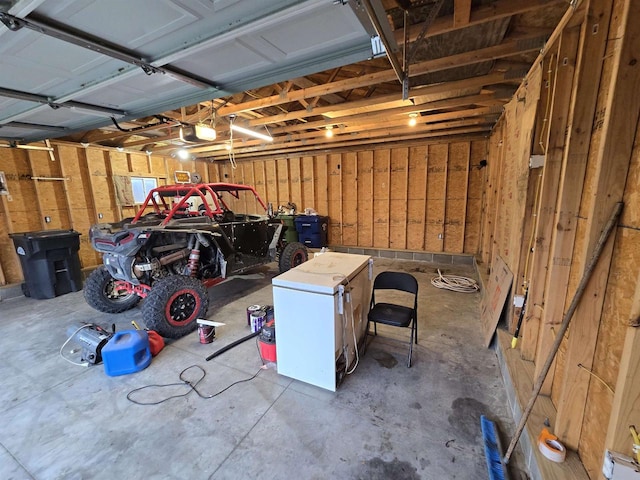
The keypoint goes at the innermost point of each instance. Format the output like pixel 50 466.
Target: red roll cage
pixel 156 199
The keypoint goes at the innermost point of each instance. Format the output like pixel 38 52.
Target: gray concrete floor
pixel 61 421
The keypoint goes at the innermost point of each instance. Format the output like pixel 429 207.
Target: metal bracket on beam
pixel 384 32
pixel 427 22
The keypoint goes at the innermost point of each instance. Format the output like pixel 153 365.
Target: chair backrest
pixel 396 281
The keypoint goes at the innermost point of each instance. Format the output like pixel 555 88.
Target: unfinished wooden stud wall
pixel 425 197
pixel 592 161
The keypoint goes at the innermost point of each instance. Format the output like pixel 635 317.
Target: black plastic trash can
pixel 49 261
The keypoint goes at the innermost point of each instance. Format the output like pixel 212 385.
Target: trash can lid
pixel 46 234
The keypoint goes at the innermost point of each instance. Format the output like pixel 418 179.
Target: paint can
pixel 257 320
pixel 206 333
pixel 250 310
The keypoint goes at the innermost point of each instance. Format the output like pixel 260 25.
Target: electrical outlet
pixel 100 215
pixel 439 236
pixel 47 219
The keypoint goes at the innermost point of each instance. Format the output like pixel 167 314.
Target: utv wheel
pixel 174 304
pixel 100 294
pixel 292 255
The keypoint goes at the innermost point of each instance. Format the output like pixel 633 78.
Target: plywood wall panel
pixel 307 185
pixel 349 199
pixel 272 182
pixel 158 166
pixel 475 194
pixel 119 162
pixel 399 181
pixel 365 196
pixel 457 184
pixel 294 178
pixel 284 188
pixel 334 197
pixel 416 197
pixel 381 197
pixel 139 163
pixel 321 174
pixel 438 159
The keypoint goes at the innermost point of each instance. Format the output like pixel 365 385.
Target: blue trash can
pixel 312 230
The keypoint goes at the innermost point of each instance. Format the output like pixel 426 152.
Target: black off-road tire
pixel 99 293
pixel 174 304
pixel 292 255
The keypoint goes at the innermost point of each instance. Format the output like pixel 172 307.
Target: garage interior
pixel 487 138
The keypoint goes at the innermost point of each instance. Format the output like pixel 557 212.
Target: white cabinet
pixel 320 306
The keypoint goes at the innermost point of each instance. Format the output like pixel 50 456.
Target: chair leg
pixel 415 322
pixel 366 334
pixel 411 343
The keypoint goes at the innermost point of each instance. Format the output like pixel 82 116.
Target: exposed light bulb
pixel 329 132
pixel 183 154
pixel 413 120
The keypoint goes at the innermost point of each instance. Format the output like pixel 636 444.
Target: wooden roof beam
pixel 461 13
pixel 515 45
pixel 356 141
pixel 386 118
pixel 360 134
pixel 486 13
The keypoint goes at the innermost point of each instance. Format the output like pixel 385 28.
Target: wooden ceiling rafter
pixel 483 14
pixel 256 150
pixel 514 45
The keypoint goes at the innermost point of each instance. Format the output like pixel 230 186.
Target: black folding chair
pixel 394 314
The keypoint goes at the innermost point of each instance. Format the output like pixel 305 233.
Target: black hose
pixel 231 345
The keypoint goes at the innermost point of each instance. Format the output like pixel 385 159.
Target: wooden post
pixel 557 118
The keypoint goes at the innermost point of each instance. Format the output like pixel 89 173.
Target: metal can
pixel 257 320
pixel 206 333
pixel 250 310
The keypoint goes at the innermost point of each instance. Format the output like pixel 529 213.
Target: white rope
pixel 455 283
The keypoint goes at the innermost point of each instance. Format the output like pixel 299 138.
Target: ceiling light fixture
pixel 329 132
pixel 246 131
pixel 413 119
pixel 183 154
pixel 205 133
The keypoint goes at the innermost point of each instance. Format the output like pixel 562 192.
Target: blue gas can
pixel 126 352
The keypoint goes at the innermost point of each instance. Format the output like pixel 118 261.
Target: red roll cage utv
pixel 184 239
